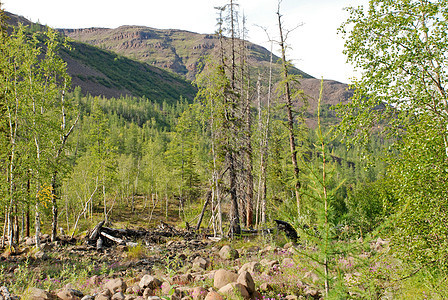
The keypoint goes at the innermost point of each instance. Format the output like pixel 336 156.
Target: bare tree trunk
pixel 16 225
pixel 289 109
pixel 4 227
pixel 207 200
pixel 234 212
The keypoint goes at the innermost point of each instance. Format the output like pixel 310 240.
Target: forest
pixel 241 154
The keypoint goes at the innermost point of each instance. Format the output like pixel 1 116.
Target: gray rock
pixel 212 295
pixel 115 285
pixel 234 290
pixel 103 295
pixel 223 277
pixel 118 296
pixel 228 253
pixel 69 294
pixel 148 292
pixel 149 281
pixel 199 293
pixel 38 294
pixel 251 267
pixel 200 263
pixel 246 279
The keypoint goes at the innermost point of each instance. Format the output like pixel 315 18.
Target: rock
pixel 38 294
pixel 246 279
pixel 257 296
pixel 94 280
pixel 212 295
pixel 103 295
pixel 223 277
pixel 291 297
pixel 115 285
pixel 41 255
pixel 234 290
pixel 183 279
pixel 166 288
pixel 118 296
pixel 310 275
pixel 135 289
pixel 88 297
pixel 200 263
pixel 69 294
pixel 266 287
pixel 148 292
pixel 149 281
pixel 308 291
pixel 154 298
pixel 199 293
pixel 269 263
pixel 228 253
pixel 251 267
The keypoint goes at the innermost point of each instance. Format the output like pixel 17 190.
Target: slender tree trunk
pixel 27 217
pixel 54 224
pixel 289 108
pixel 4 227
pixel 234 212
pixel 16 225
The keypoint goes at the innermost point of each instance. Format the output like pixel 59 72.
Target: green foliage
pixel 401 48
pixel 128 75
pixel 368 205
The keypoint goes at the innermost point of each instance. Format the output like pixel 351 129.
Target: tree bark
pixel 288 98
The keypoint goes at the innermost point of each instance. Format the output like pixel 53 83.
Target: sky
pixel 315 46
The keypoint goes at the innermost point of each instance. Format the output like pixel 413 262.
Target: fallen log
pixel 287 229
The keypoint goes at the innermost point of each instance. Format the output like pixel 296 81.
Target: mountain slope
pixel 176 50
pixel 104 73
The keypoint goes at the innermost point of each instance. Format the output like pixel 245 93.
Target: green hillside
pixel 112 73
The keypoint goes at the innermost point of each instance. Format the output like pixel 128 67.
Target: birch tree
pixel 401 48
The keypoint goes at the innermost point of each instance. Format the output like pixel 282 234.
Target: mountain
pixel 179 51
pixel 104 73
pixel 158 64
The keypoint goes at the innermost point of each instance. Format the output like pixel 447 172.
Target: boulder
pixel 246 279
pixel 116 285
pixel 223 277
pixel 228 253
pixel 166 288
pixel 94 280
pixel 199 293
pixel 233 290
pixel 149 281
pixel 69 294
pixel 200 263
pixel 148 292
pixel 257 296
pixel 105 294
pixel 38 294
pixel 212 295
pixel 118 296
pixel 266 287
pixel 251 267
